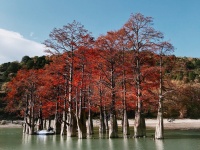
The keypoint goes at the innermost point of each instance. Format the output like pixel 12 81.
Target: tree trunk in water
pixel 30 124
pixel 105 119
pixel 159 133
pixel 71 120
pixel 39 124
pixel 71 128
pixel 102 119
pixel 81 115
pixel 81 122
pixel 64 124
pixel 40 120
pixel 31 121
pixel 64 120
pixel 140 126
pixel 57 125
pixel 113 130
pixel 90 129
pixel 45 123
pixel 48 125
pixel 102 126
pixel 25 125
pixel 125 124
pixel 31 127
pixel 27 129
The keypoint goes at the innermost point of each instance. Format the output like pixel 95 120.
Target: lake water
pixel 14 139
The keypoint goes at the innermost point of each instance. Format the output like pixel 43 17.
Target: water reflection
pixel 121 143
pixel 126 144
pixel 138 144
pixel 144 144
pixel 89 144
pixel 111 146
pixel 19 141
pixel 69 143
pixel 28 141
pixel 26 138
pixel 79 143
pixel 159 144
pixel 41 139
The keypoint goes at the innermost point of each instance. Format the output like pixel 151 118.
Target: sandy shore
pixel 11 124
pixel 183 124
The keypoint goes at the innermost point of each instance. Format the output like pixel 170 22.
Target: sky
pixel 26 24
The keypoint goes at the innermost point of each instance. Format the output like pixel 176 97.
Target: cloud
pixel 13 46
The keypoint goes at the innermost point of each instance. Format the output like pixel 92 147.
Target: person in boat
pixel 50 129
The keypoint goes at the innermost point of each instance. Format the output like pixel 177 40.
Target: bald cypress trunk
pixel 25 125
pixel 57 123
pixel 64 120
pixel 64 124
pixel 81 122
pixel 40 119
pixel 30 121
pixel 113 130
pixel 90 129
pixel 105 115
pixel 71 128
pixel 102 126
pixel 140 126
pixel 125 123
pixel 159 133
pixel 81 119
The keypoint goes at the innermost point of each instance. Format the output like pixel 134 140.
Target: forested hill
pixel 186 69
pixel 9 69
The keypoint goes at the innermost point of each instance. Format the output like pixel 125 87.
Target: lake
pixel 14 139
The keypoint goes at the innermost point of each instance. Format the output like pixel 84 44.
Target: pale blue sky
pixel 33 20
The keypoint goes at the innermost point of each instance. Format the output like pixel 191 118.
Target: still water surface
pixel 13 139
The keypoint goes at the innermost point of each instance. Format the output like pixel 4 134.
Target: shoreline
pixel 177 124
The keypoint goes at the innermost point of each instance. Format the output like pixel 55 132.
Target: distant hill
pixel 186 69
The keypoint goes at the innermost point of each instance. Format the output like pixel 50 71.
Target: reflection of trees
pixel 40 141
pixel 159 144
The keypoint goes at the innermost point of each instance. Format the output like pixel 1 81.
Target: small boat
pixel 45 132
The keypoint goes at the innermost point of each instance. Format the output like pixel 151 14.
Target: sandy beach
pixel 182 124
